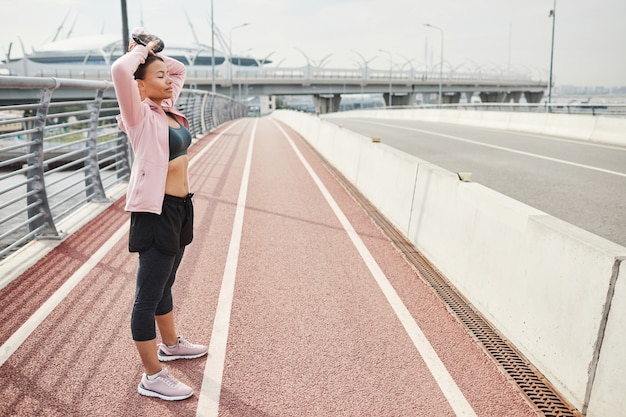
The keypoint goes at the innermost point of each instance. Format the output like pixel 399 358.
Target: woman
pixel 147 86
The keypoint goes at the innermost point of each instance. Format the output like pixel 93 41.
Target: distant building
pixel 91 57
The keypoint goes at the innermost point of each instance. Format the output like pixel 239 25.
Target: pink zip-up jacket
pixel 146 125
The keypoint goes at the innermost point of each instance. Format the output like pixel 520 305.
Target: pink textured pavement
pixel 311 333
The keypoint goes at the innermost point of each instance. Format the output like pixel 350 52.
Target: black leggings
pixel 153 296
pixel 160 240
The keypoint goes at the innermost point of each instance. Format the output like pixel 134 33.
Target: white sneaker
pixel 182 350
pixel 164 386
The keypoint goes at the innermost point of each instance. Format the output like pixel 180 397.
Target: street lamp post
pixel 390 73
pixel 324 61
pixel 125 39
pixel 553 16
pixel 365 73
pixel 262 62
pixel 212 51
pixel 362 68
pixel 309 69
pixel 441 64
pixel 230 53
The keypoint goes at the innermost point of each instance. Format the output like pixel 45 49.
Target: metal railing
pixel 57 155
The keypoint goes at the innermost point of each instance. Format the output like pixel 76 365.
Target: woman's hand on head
pixel 140 32
pixel 152 45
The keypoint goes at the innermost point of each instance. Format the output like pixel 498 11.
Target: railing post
pixel 194 109
pixel 93 182
pixel 203 117
pixel 37 198
pixel 124 155
pixel 209 112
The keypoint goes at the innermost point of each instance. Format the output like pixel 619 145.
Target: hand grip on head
pixel 143 38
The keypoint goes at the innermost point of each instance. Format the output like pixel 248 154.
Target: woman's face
pixel 157 84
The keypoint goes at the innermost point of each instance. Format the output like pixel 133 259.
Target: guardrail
pixel 603 128
pixel 594 109
pixel 55 156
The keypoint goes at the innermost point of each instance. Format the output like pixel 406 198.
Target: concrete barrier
pixel 606 394
pixel 387 178
pixel 610 130
pixel 604 129
pixel 551 288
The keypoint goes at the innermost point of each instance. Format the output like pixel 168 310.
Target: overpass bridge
pixel 399 87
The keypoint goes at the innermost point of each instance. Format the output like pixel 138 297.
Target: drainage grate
pixel 533 385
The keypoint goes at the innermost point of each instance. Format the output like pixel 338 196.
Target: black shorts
pixel 168 231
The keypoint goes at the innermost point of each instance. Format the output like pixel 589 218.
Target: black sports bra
pixel 180 140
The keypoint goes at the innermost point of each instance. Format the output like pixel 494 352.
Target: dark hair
pixel 140 73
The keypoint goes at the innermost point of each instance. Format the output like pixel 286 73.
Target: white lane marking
pixel 15 341
pixel 502 148
pixel 565 140
pixel 209 398
pixel 581 142
pixel 448 386
pixel 210 145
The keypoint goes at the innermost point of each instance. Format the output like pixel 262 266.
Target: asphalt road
pixel 579 182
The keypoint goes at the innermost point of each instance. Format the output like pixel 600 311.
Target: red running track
pixel 307 307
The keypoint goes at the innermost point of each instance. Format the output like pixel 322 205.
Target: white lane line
pixel 209 398
pixel 15 341
pixel 448 386
pixel 502 148
pixel 210 145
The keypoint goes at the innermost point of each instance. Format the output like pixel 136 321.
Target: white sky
pixel 589 46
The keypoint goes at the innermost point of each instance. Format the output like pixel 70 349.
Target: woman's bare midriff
pixel 176 180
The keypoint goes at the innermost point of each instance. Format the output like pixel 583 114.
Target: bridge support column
pixel 451 98
pixel 430 98
pixel 386 98
pixel 326 104
pixel 267 104
pixel 496 97
pixel 400 99
pixel 513 96
pixel 533 96
pixel 446 98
